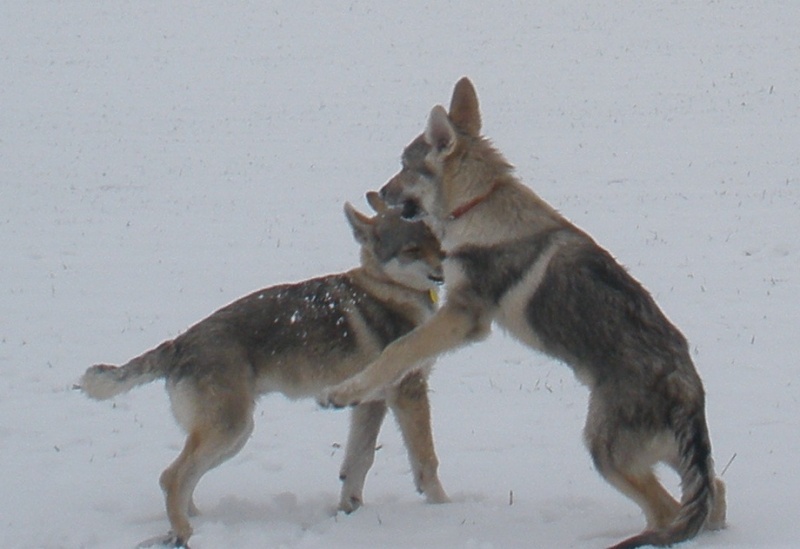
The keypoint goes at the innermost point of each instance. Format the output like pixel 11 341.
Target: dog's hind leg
pixel 365 423
pixel 658 505
pixel 410 405
pixel 716 520
pixel 216 434
pixel 619 460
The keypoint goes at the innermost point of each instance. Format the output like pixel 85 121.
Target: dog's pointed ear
pixel 378 204
pixel 440 133
pixel 361 224
pixel 464 110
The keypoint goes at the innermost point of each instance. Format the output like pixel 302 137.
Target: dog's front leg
pixel 451 327
pixel 365 423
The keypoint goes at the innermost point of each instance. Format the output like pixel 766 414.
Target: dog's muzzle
pixel 411 208
pixel 436 279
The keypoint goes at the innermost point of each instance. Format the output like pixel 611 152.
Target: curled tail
pixel 104 381
pixel 703 501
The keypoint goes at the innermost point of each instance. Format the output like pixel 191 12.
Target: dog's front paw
pixel 350 504
pixel 169 541
pixel 348 393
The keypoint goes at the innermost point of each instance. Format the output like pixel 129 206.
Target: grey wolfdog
pixel 296 339
pixel 512 259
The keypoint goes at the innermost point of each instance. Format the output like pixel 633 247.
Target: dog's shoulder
pixel 495 268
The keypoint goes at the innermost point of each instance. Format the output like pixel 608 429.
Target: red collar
pixel 464 208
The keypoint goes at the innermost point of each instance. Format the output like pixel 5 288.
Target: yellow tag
pixel 433 294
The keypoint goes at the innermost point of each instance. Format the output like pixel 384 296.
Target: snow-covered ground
pixel 160 159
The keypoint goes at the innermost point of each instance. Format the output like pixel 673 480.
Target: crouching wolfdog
pixel 296 339
pixel 513 259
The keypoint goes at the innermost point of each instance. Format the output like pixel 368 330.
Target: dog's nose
pixel 386 192
pixel 392 191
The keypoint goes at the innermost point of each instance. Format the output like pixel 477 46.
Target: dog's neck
pixel 415 305
pixel 467 206
pixel 371 275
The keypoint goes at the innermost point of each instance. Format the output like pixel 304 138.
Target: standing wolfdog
pixel 296 339
pixel 514 260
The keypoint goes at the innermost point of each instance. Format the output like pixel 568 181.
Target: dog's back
pixel 300 337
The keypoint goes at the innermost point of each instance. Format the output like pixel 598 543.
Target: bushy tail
pixel 697 483
pixel 104 381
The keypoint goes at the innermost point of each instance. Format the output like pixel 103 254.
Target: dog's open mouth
pixel 411 209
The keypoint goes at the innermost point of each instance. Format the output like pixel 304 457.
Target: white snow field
pixel 160 159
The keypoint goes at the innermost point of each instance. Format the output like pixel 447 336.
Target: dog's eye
pixel 412 251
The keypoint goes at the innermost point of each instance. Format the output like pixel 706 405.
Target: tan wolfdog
pixel 514 260
pixel 296 339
